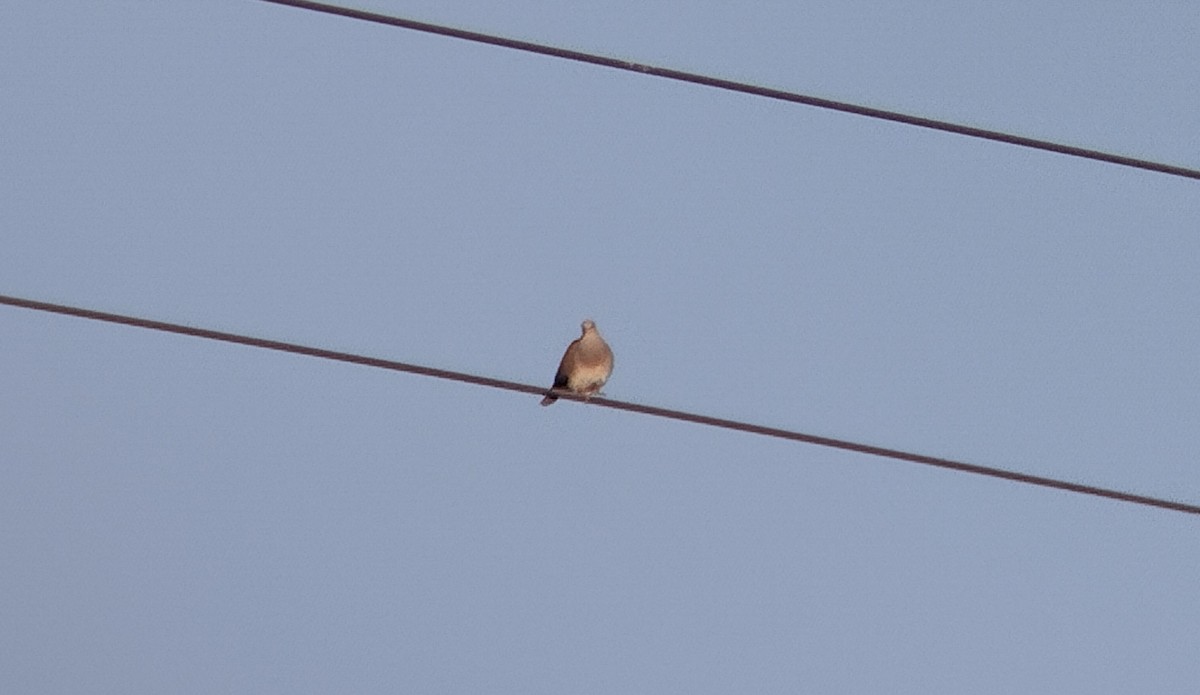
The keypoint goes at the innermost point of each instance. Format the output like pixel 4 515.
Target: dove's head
pixel 588 325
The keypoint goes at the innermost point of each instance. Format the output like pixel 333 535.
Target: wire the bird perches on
pixel 894 454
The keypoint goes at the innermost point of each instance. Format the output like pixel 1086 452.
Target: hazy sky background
pixel 183 516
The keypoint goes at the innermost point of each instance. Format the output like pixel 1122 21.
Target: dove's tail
pixel 549 399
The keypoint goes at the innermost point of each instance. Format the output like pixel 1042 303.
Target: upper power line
pixel 844 445
pixel 745 88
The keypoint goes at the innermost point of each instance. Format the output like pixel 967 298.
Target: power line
pixel 867 449
pixel 745 88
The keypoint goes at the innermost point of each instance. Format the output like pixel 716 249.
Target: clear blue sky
pixel 183 516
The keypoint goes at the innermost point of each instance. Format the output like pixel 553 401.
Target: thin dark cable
pixel 605 402
pixel 745 88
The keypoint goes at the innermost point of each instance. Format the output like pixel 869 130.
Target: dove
pixel 585 366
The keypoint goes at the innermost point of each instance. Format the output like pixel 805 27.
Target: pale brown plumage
pixel 585 366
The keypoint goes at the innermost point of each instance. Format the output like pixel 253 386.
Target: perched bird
pixel 585 366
